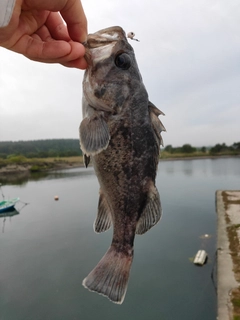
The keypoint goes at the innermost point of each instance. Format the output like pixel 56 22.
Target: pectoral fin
pixel 94 134
pixel 157 124
pixel 152 212
pixel 103 221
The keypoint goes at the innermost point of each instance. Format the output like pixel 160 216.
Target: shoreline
pixel 26 168
pixel 199 157
pixel 228 241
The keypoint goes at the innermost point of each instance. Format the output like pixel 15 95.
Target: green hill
pixel 40 148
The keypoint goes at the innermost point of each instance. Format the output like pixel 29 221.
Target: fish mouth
pixel 102 38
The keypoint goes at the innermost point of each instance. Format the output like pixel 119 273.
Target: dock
pixel 228 254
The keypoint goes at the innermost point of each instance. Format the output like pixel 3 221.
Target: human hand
pixel 37 31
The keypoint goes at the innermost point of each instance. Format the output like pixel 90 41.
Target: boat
pixel 8 205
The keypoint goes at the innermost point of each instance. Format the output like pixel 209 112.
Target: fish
pixel 120 133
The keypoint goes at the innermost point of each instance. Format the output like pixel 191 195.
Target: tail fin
pixel 110 276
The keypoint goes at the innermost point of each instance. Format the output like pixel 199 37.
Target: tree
pixel 41 148
pixel 187 148
pixel 168 148
pixel 236 146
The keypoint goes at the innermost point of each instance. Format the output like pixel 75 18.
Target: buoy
pixel 56 198
pixel 200 258
pixel 206 236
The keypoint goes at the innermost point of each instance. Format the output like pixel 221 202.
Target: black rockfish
pixel 120 131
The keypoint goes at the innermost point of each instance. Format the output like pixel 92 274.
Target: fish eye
pixel 123 61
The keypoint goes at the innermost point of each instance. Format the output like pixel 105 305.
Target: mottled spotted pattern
pixel 120 132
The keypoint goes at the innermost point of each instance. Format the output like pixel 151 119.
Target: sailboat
pixel 7 205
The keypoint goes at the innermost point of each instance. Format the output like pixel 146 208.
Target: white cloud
pixel 188 54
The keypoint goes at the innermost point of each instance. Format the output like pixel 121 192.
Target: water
pixel 47 249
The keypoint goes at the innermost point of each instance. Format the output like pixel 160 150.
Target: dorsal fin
pixel 158 127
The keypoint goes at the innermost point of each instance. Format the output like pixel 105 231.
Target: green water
pixel 47 249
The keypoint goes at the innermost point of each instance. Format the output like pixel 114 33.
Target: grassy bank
pixel 197 154
pixel 181 155
pixel 20 163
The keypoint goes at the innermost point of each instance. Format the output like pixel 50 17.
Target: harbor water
pixel 49 246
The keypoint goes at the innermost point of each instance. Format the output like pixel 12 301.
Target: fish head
pixel 112 74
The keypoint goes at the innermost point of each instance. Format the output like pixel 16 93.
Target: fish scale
pixel 121 133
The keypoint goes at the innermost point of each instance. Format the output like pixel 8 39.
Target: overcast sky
pixel 189 58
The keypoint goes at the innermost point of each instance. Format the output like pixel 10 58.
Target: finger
pixel 49 51
pixel 79 63
pixel 43 34
pixel 71 11
pixel 76 20
pixel 56 27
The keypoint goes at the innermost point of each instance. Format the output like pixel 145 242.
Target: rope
pixel 24 205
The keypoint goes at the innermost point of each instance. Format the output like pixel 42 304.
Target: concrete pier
pixel 228 246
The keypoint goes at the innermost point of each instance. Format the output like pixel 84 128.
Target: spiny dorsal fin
pixel 157 124
pixel 94 134
pixel 152 212
pixel 154 109
pixel 103 221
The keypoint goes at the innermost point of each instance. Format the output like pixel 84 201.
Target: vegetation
pixel 188 151
pixel 18 151
pixel 42 155
pixel 40 148
pixel 17 163
pixel 224 149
